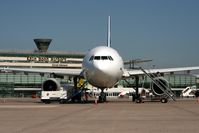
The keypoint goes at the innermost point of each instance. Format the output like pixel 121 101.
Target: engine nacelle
pixel 51 85
pixel 162 82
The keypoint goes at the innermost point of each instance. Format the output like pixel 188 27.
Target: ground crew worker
pixel 197 95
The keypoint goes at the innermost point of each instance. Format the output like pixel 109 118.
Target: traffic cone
pixel 95 101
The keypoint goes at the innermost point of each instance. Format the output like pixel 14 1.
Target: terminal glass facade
pixel 26 85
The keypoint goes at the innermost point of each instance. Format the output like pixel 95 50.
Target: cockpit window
pixel 96 57
pixel 110 58
pixel 91 58
pixel 101 58
pixel 104 57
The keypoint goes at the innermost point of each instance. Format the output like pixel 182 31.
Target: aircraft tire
pixel 164 100
pixel 139 100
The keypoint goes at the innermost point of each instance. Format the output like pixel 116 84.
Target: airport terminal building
pixel 28 84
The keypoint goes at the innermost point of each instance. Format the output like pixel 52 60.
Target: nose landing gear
pixel 102 97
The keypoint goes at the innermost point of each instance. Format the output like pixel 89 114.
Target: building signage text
pixel 46 59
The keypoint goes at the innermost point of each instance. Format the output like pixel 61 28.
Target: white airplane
pixel 102 67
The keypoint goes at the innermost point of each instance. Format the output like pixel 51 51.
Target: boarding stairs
pixel 164 88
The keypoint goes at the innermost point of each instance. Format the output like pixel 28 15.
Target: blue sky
pixel 166 31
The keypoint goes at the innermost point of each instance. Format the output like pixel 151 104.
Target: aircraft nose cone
pixel 103 77
pixel 101 68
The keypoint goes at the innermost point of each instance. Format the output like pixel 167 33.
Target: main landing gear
pixel 137 97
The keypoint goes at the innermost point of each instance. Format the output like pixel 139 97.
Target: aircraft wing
pixel 70 72
pixel 138 71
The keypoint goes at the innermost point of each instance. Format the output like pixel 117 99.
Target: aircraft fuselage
pixel 103 67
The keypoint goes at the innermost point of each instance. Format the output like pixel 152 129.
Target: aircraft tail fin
pixel 109 32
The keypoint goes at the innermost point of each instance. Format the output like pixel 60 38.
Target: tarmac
pixel 31 116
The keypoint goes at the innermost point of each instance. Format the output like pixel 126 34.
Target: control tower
pixel 42 44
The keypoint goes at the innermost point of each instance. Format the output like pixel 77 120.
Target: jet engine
pixel 51 85
pixel 161 82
